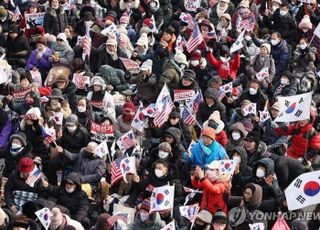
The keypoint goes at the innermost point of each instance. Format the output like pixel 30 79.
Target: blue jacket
pixel 200 158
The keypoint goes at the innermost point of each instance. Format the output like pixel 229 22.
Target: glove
pixel 273 125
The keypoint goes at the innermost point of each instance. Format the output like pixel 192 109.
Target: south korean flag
pixel 162 198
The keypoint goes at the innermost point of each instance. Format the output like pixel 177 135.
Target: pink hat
pixel 124 19
pixel 305 23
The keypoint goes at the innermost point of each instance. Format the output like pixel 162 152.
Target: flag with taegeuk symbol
pixel 128 165
pixel 170 226
pixel 49 134
pixel 189 211
pixel 162 198
pixel 44 216
pixel 126 141
pixel 102 150
pixel 249 109
pixel 138 120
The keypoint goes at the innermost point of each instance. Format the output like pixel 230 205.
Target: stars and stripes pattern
pixel 116 173
pixel 86 44
pixel 195 39
pixel 16 14
pixel 198 98
pixel 49 134
pixel 119 216
pixel 187 117
pixel 36 174
pixel 126 141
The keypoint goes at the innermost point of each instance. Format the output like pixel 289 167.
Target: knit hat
pixel 205 216
pixel 102 222
pixel 189 75
pixel 20 136
pixel 147 65
pixel 124 19
pixel 128 105
pixel 276 106
pixel 42 41
pixel 56 218
pixel 143 40
pixel 180 58
pixel 276 1
pixel 206 22
pixel 25 165
pixel 109 18
pixel 88 16
pixel 4 218
pixel 209 132
pixel 62 36
pixel 253 136
pixel 56 94
pixel 145 205
pixel 196 55
pixel 175 113
pixel 98 81
pixel 13 28
pixel 71 120
pixel 305 23
pixel 215 116
pixel 299 224
pixel 112 41
pixel 267 46
pixel 220 217
pixel 3 13
pixel 165 146
pixel 227 16
pixel 147 22
pixel 244 3
pixel 226 1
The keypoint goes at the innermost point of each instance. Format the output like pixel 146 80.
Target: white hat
pixel 267 46
pixel 62 36
pixel 112 41
pixel 180 58
pixel 143 40
pixel 147 65
pixel 98 81
pixel 244 3
pixel 215 116
pixel 35 111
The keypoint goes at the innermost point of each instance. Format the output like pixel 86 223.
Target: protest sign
pixel 34 20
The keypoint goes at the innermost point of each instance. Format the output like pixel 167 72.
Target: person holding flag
pixel 199 65
pixel 287 85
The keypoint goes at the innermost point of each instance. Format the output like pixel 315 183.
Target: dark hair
pixel 77 64
pixel 26 75
pixel 277 33
pixel 285 4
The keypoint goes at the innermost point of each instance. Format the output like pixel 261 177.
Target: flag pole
pixel 311 40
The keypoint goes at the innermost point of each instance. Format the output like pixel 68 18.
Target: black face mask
pixel 198 226
pixel 213 124
pixel 161 52
pixel 87 154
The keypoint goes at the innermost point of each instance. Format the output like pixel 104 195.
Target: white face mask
pixel 163 154
pixel 274 42
pixel 194 62
pixel 182 66
pixel 237 159
pixel 303 46
pixel 159 173
pixel 252 91
pixel 81 109
pixel 144 216
pixel 248 38
pixel 70 190
pixel 305 30
pixel 284 81
pixel 260 173
pixel 283 12
pixel 15 146
pixel 235 136
pixel 71 129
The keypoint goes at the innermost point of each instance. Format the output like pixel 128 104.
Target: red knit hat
pixel 25 165
pixel 209 132
pixel 128 105
pixel 196 55
pixel 147 22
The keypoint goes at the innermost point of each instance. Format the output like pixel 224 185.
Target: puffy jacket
pixel 114 77
pixel 90 168
pixel 171 74
pixel 200 158
pixel 18 44
pixel 55 21
pixel 213 194
pixel 232 144
pixel 304 60
pixel 74 142
pixel 154 224
pixel 77 202
pixel 301 136
pixel 260 152
pixel 43 64
pixel 69 93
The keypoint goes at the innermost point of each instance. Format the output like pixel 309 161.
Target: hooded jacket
pixel 18 44
pixel 77 202
pixel 74 142
pixel 256 198
pixel 171 74
pixel 232 143
pixel 154 224
pixel 176 146
pixel 260 152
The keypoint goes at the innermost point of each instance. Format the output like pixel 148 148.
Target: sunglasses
pixel 59 40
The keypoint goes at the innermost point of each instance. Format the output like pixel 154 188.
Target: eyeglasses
pixel 59 40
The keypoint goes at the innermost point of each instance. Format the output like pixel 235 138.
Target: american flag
pixel 195 39
pixel 246 24
pixel 36 174
pixel 187 117
pixel 196 101
pixel 119 216
pixel 86 44
pixel 164 106
pixel 116 174
pixel 126 141
pixel 16 14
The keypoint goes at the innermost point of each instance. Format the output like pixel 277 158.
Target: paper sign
pixel 101 132
pixel 183 94
pixel 192 5
pixel 80 80
pixel 34 20
pixel 130 65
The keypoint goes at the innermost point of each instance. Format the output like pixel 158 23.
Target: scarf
pixel 62 46
pixel 204 148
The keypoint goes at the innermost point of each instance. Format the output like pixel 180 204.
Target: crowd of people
pixel 68 85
